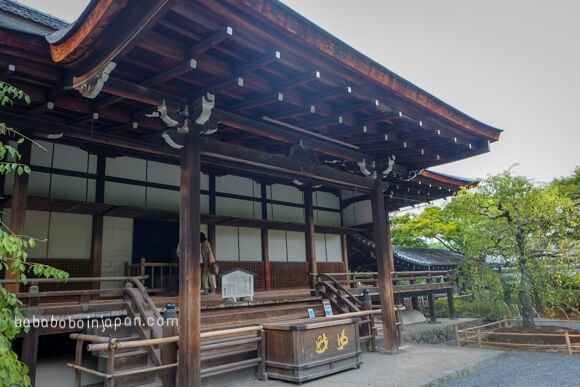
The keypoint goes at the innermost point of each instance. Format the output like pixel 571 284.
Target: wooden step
pixel 125 360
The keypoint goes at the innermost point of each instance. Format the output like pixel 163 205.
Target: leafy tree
pixel 13 253
pixel 432 228
pixel 528 228
pixel 569 186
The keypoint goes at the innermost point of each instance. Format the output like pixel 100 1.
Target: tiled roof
pixel 427 257
pixel 32 14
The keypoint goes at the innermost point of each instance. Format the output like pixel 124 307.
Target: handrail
pixel 146 297
pixel 341 288
pixel 399 273
pixel 33 281
pixel 168 340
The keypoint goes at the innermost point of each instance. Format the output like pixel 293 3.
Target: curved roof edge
pixel 450 179
pixel 285 18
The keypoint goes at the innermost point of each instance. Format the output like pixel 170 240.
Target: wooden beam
pixel 18 207
pixel 288 136
pixel 260 162
pixel 310 234
pixel 385 267
pixel 189 369
pixel 285 165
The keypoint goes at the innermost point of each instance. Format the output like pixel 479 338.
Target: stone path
pixel 416 365
pixel 525 369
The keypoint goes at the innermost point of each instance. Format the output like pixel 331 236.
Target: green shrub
pixel 475 309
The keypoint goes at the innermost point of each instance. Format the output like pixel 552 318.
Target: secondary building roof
pixel 428 259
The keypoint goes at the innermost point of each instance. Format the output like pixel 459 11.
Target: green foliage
pixel 13 254
pixel 489 310
pixel 569 186
pixel 432 228
pixel 531 230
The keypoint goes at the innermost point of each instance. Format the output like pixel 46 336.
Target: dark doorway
pixel 155 240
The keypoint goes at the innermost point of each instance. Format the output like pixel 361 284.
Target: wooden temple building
pixel 159 119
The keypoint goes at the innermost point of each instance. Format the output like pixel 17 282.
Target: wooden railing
pixel 333 290
pixel 161 276
pixel 477 336
pixel 217 343
pixel 33 296
pixel 403 281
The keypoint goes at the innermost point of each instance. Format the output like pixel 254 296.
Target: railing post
pixel 478 331
pixel 78 361
pixel 568 342
pixel 142 267
pixel 30 339
pixel 456 333
pixel 110 382
pixel 168 352
pixel 262 375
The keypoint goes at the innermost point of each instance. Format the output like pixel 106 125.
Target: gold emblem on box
pixel 321 344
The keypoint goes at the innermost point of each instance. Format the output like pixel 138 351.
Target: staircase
pixel 133 363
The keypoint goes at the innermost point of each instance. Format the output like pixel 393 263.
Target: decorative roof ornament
pixel 92 87
pixel 365 167
pixel 390 165
pixel 181 121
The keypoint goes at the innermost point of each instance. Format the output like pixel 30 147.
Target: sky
pixel 512 64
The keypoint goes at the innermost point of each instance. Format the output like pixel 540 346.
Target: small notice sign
pixel 327 308
pixel 311 313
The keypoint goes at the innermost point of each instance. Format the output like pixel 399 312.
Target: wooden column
pixel 264 240
pixel 385 267
pixel 310 234
pixel 18 207
pixel 211 233
pixel 344 247
pixel 97 230
pixel 451 305
pixel 189 370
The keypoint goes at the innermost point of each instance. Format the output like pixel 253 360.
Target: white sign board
pixel 237 284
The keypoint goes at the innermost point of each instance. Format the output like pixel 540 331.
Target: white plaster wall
pixel 70 236
pixel 320 244
pixel 250 242
pixel 226 243
pixel 333 248
pixel 277 250
pixel 117 247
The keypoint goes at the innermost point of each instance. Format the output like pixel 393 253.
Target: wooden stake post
pixel 189 369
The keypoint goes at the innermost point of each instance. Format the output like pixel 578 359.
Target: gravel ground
pixel 524 369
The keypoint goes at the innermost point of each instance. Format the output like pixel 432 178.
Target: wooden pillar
pixel 97 230
pixel 414 299
pixel 385 267
pixel 310 234
pixel 211 233
pixel 432 312
pixel 344 247
pixel 18 207
pixel 451 304
pixel 264 240
pixel 189 370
